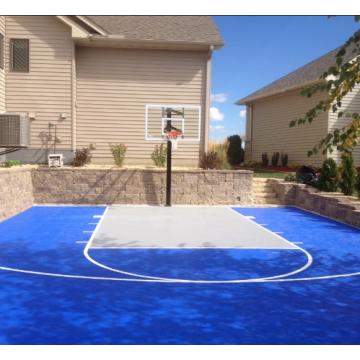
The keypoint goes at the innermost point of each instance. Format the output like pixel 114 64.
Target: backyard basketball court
pixel 178 275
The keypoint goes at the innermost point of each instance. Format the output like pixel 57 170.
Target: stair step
pixel 264 195
pixel 266 201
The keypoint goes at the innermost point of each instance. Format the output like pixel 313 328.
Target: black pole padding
pixel 168 174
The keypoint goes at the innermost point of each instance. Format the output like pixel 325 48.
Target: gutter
pixel 121 38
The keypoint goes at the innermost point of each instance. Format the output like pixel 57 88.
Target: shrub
pixel 251 163
pixel 10 163
pixel 284 159
pixel 290 177
pixel 295 166
pixel 118 151
pixel 329 177
pixel 357 184
pixel 209 160
pixel 265 160
pixel 82 157
pixel 347 180
pixel 221 149
pixel 235 152
pixel 275 159
pixel 159 155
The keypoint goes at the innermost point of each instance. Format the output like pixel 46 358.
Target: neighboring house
pixel 92 76
pixel 270 110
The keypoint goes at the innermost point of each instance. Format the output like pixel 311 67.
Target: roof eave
pixel 121 38
pixel 247 100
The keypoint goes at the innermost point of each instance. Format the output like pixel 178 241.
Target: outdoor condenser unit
pixel 14 130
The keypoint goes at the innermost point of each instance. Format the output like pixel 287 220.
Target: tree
pixel 339 80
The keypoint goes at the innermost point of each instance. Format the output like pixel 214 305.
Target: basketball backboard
pixel 186 119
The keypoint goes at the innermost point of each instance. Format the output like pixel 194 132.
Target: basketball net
pixel 173 137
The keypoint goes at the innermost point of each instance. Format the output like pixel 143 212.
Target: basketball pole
pixel 168 165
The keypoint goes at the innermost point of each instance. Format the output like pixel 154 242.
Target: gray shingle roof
pixel 311 72
pixel 168 28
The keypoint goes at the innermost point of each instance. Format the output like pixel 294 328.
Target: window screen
pixel 20 54
pixel 1 51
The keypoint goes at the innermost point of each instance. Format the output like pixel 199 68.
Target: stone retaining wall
pixel 335 206
pixel 16 192
pixel 148 187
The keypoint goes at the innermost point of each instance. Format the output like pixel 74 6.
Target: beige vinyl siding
pixel 115 85
pixel 2 71
pixel 271 132
pixel 349 104
pixel 46 88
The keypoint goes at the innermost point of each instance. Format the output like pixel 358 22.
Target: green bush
pixel 82 157
pixel 159 155
pixel 357 184
pixel 118 151
pixel 329 176
pixel 235 152
pixel 10 163
pixel 265 160
pixel 347 180
pixel 290 177
pixel 209 160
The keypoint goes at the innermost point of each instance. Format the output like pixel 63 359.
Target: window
pixel 1 51
pixel 20 54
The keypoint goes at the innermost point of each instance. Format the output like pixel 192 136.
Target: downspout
pixel 73 99
pixel 207 98
pixel 250 127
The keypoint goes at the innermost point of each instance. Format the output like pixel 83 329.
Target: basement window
pixel 2 51
pixel 20 54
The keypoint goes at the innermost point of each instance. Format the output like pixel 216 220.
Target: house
pixel 270 110
pixel 92 77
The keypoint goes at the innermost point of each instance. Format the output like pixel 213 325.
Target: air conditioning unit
pixel 14 130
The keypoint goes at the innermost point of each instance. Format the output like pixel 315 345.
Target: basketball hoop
pixel 173 137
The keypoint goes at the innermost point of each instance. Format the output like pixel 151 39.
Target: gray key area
pixel 182 227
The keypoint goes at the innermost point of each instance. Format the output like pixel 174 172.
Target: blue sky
pixel 260 50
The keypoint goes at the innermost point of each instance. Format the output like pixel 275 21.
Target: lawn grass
pixel 267 174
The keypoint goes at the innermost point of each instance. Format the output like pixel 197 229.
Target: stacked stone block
pixel 16 192
pixel 334 206
pixel 143 187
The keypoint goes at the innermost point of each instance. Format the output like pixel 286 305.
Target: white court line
pixel 263 224
pixel 250 217
pixel 179 281
pixel 98 216
pixel 200 281
pixel 310 259
pixel 93 223
pixel 190 248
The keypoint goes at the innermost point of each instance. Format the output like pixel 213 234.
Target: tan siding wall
pixel 113 87
pixel 46 88
pixel 2 71
pixel 350 103
pixel 271 132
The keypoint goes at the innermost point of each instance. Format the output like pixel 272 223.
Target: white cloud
pixel 218 128
pixel 218 97
pixel 215 115
pixel 242 113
